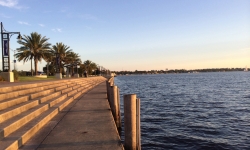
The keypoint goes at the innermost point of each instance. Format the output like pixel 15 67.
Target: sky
pixel 138 35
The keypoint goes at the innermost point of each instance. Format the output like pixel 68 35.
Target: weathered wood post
pixel 110 93
pixel 115 106
pixel 138 124
pixel 130 121
pixel 107 88
pixel 119 126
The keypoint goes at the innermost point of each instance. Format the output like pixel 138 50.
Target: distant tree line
pixel 178 71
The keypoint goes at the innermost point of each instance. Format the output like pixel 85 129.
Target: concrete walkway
pixel 87 124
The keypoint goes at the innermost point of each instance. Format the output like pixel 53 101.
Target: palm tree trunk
pixel 47 68
pixel 35 61
pixel 31 68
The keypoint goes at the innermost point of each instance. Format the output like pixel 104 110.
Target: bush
pixel 22 73
pixel 16 75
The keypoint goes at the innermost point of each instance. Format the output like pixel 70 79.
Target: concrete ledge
pixel 41 76
pixel 8 76
pixel 58 75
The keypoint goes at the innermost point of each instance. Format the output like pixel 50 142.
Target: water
pixel 192 111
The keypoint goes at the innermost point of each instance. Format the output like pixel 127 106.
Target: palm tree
pixel 25 55
pixel 63 51
pixel 73 59
pixel 37 45
pixel 89 66
pixel 50 62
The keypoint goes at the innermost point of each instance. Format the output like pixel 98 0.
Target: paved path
pixel 87 124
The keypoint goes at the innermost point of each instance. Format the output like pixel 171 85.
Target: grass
pixel 29 78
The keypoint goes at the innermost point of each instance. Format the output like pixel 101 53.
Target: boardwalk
pixel 86 123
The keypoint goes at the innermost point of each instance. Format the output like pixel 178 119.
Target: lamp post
pixel 5 38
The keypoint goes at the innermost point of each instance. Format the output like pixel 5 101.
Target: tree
pixel 63 51
pixel 34 47
pixel 25 55
pixel 89 66
pixel 73 59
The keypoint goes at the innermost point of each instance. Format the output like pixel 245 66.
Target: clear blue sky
pixel 142 34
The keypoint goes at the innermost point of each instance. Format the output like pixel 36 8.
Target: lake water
pixel 192 111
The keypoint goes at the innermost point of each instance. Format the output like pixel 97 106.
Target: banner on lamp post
pixel 6 47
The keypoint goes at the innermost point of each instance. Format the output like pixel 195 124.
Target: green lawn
pixel 29 78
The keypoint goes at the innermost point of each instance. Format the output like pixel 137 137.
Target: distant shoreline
pixel 175 71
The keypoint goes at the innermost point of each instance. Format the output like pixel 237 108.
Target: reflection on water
pixel 192 111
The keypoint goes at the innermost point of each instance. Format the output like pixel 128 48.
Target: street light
pixel 5 38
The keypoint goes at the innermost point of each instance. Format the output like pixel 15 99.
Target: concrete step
pixel 76 86
pixel 66 90
pixel 13 101
pixel 39 137
pixel 17 109
pixel 43 99
pixel 42 93
pixel 25 109
pixel 84 83
pixel 55 85
pixel 11 125
pixel 64 103
pixel 31 89
pixel 57 100
pixel 80 89
pixel 61 87
pixel 72 92
pixel 34 85
pixel 77 95
pixel 71 84
pixel 21 87
pixel 22 135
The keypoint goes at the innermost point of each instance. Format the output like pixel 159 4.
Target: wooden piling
pixel 107 88
pixel 115 104
pixel 138 124
pixel 119 125
pixel 130 121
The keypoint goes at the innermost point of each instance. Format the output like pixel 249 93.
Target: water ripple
pixel 192 111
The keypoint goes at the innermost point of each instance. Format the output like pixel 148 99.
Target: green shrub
pixel 16 75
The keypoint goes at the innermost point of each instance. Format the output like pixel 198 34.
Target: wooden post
pixel 107 86
pixel 111 96
pixel 119 126
pixel 115 105
pixel 130 121
pixel 138 124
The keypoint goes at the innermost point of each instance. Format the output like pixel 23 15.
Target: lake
pixel 192 111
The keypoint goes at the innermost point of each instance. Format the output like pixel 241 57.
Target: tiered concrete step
pixel 27 108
